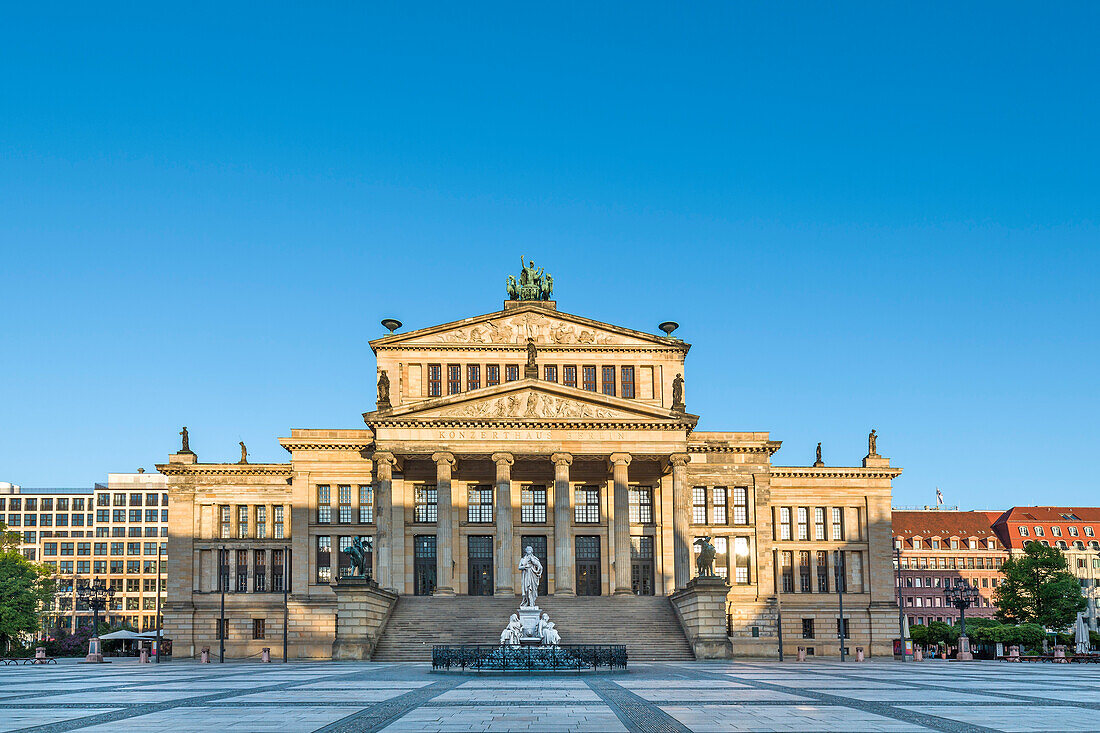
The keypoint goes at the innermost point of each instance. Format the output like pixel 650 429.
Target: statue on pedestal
pixel 186 442
pixel 818 462
pixel 244 454
pixel 705 562
pixel 872 444
pixel 359 553
pixel 678 393
pixel 531 573
pixel 383 390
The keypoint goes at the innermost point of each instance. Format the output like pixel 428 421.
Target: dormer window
pixel 973 544
pixel 954 544
pixel 916 543
pixel 1056 531
pixel 1023 531
pixel 1088 531
pixel 935 544
pixel 1072 531
pixel 1039 532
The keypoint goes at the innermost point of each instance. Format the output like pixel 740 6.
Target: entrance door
pixel 480 553
pixel 641 565
pixel 424 564
pixel 588 565
pixel 537 542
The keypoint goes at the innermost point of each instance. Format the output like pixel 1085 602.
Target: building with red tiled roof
pixel 939 548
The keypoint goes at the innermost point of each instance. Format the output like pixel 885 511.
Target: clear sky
pixel 878 215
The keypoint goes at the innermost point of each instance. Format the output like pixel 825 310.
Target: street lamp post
pixel 901 610
pixel 223 581
pixel 838 570
pixel 97 595
pixel 962 597
pixel 157 619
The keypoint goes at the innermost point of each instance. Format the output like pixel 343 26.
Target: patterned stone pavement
pixel 688 696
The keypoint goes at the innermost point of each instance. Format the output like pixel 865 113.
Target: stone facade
pixel 590 457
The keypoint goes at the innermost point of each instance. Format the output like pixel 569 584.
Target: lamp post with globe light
pixel 97 595
pixel 962 597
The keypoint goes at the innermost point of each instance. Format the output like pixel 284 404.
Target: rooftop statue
pixel 533 284
pixel 244 453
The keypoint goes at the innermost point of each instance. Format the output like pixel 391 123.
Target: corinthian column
pixel 444 532
pixel 681 521
pixel 505 561
pixel 563 549
pixel 619 463
pixel 383 518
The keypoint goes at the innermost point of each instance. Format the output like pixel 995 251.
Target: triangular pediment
pixel 530 400
pixel 513 326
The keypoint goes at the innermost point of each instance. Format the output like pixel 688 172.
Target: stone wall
pixel 701 608
pixel 362 610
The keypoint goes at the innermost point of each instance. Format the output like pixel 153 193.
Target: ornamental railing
pixel 577 657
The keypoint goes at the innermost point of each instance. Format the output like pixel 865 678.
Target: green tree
pixel 1039 588
pixel 24 590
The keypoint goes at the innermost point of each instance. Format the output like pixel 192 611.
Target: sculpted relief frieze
pixel 517 329
pixel 532 405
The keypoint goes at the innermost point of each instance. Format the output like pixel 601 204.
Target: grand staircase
pixel 647 625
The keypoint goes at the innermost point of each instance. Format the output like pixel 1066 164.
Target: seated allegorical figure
pixel 512 632
pixel 547 631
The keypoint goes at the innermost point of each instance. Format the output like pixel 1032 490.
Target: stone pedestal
pixel 529 619
pixel 95 651
pixel 964 654
pixel 362 609
pixel 701 608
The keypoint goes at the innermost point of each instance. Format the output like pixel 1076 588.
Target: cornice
pixel 768 448
pixel 542 348
pixel 225 469
pixel 848 472
pixel 292 446
pixel 503 424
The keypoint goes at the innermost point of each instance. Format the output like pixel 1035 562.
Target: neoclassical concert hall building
pixel 534 427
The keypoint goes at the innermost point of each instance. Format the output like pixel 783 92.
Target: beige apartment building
pixel 523 427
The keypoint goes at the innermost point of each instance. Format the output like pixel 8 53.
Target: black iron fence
pixel 487 657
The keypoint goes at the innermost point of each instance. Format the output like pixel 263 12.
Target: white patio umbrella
pixel 124 634
pixel 1081 637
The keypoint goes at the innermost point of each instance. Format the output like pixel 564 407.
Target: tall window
pixel 586 504
pixel 627 375
pixel 608 380
pixel 822 571
pixel 721 557
pixel 807 628
pixel 784 523
pixel 225 521
pixel 454 378
pixel 719 509
pixel 803 523
pixel 699 505
pixel 588 374
pixel 242 571
pixel 258 628
pixel 786 558
pixel 838 523
pixel 480 504
pixel 804 585
pixel 343 560
pixel 819 523
pixel 278 521
pixel 324 504
pixel 277 571
pixel 473 376
pixel 259 573
pixel 344 492
pixel 533 504
pixel 740 505
pixel 366 503
pixel 492 375
pixel 324 559
pixel 511 372
pixel 741 560
pixel 426 498
pixel 435 380
pixel 641 505
pixel 569 375
pixel 550 373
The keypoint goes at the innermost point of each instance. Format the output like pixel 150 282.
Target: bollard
pixel 859 654
pixel 265 655
pixel 1014 653
pixel 802 654
pixel 143 657
pixel 204 658
pixel 918 656
pixel 1059 653
pixel 40 655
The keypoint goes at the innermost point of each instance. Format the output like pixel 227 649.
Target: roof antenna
pixel 391 323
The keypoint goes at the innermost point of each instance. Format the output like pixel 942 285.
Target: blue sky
pixel 876 215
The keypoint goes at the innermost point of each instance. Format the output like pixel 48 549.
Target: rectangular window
pixel 473 376
pixel 343 492
pixel 741 560
pixel 132 548
pixel 586 505
pixel 607 380
pixel 102 516
pixel 261 522
pixel 787 558
pixel 588 374
pixel 511 372
pixel 480 506
pixel 784 523
pixel 426 498
pixel 435 380
pixel 740 505
pixel 641 505
pixel 343 560
pixel 324 504
pixel 118 516
pixel 324 559
pixel 277 571
pixel 135 515
pixel 135 499
pixel 492 375
pixel 840 572
pixel 258 629
pixel 533 504
pixel 699 505
pixel 803 523
pixel 242 571
pixel 454 378
pixel 804 585
pixel 151 515
pixel 807 628
pixel 221 628
pixel 99 566
pixel 366 503
pixel 550 373
pixel 569 375
pixel 721 557
pixel 719 508
pixel 103 500
pixel 838 523
pixel 278 510
pixel 627 375
pixel 819 523
pixel 242 521
pixel 150 548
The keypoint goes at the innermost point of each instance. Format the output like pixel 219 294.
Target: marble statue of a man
pixel 531 569
pixel 547 632
pixel 512 632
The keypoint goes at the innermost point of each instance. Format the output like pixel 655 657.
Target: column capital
pixel 679 459
pixel 561 458
pixel 620 458
pixel 499 458
pixel 384 457
pixel 444 457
